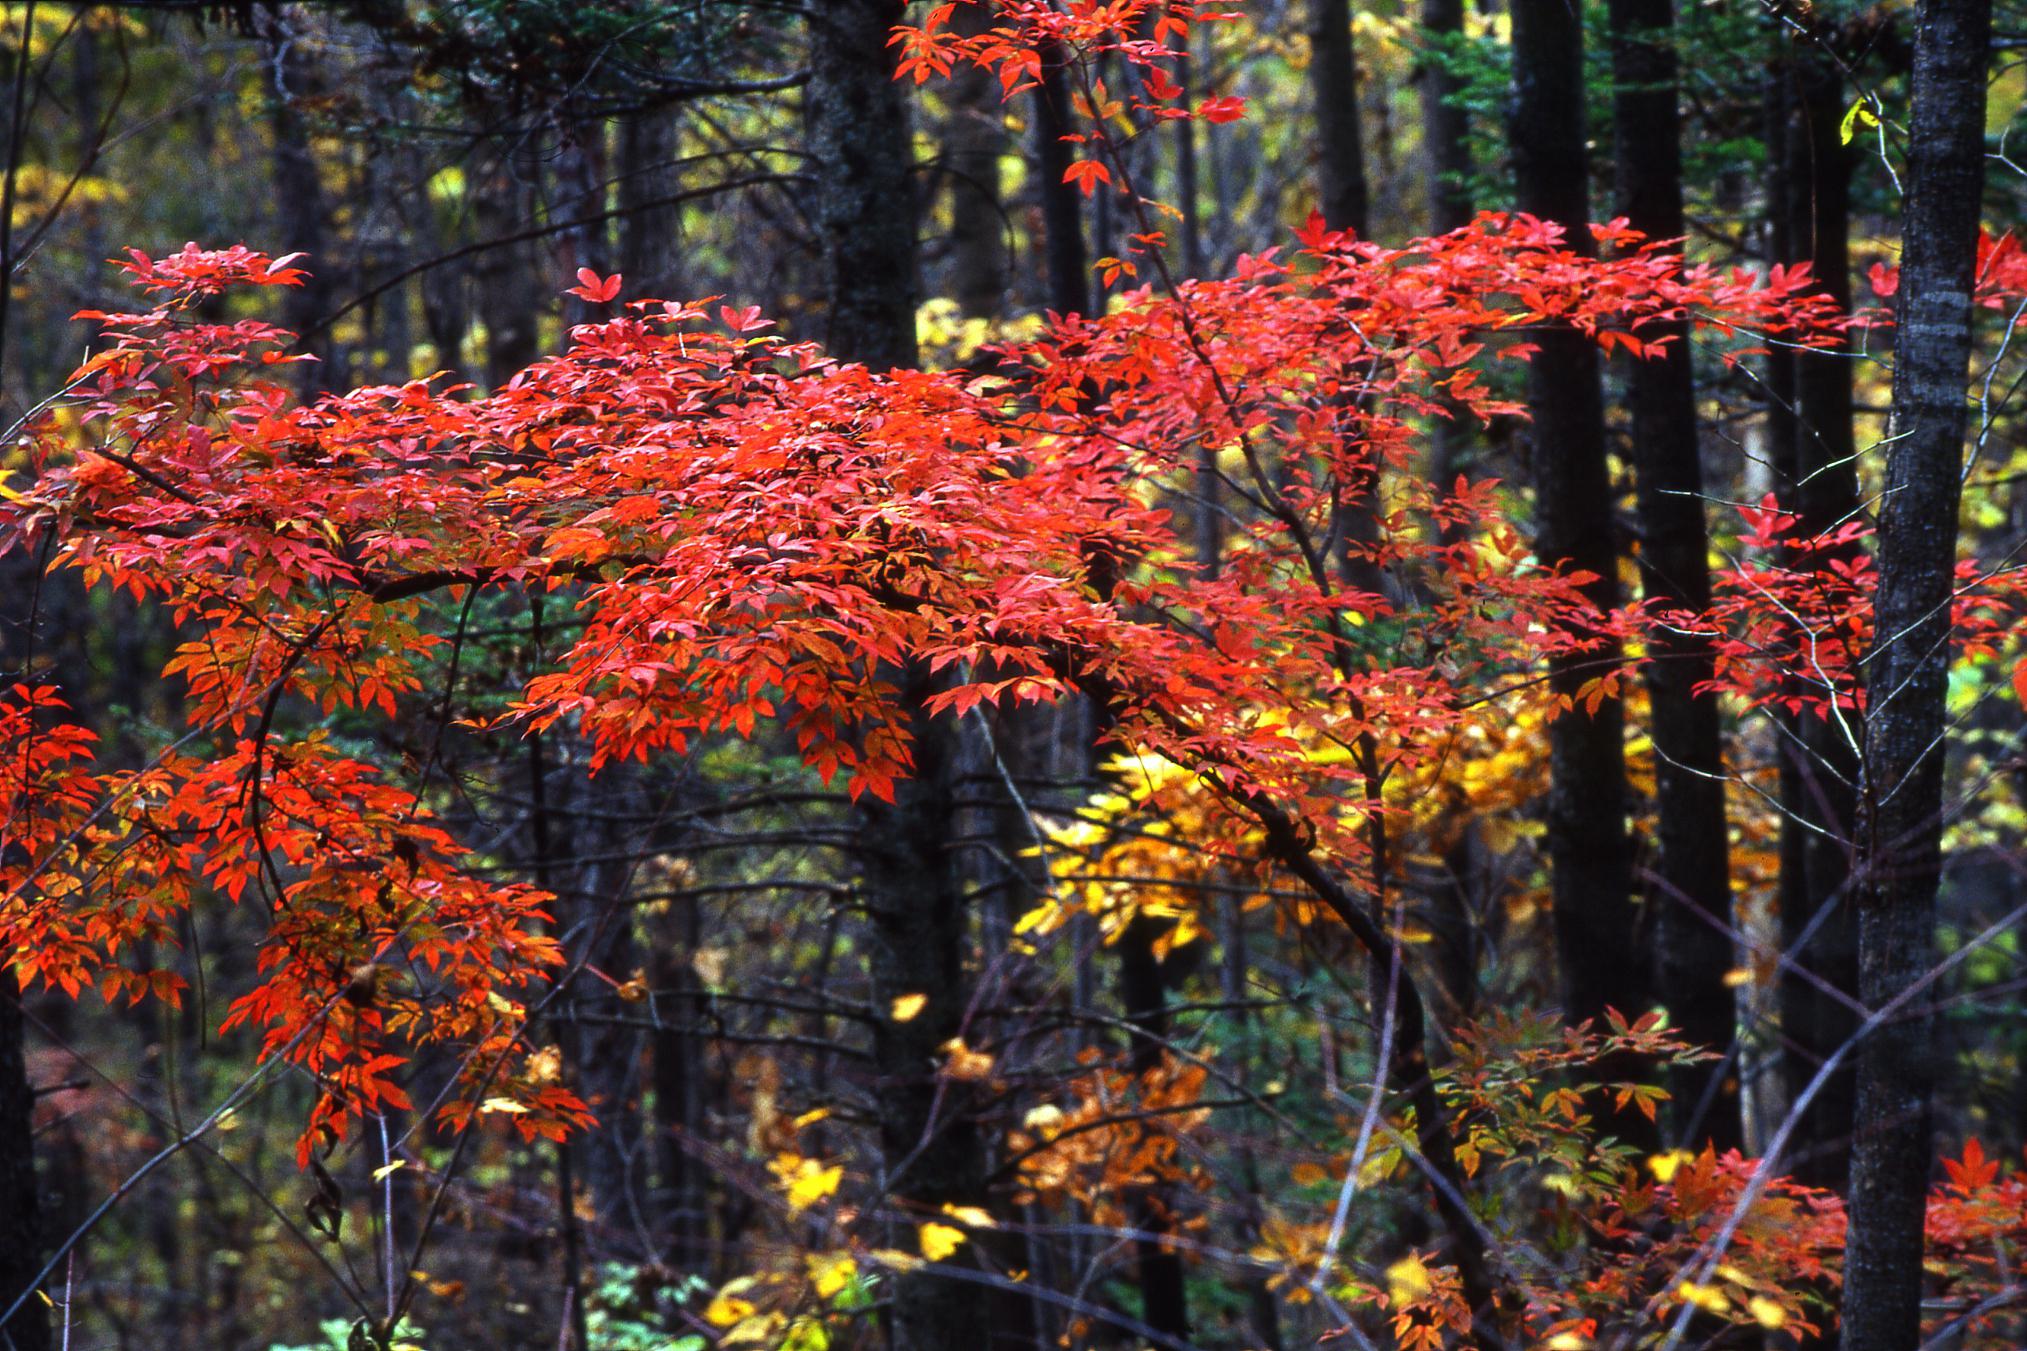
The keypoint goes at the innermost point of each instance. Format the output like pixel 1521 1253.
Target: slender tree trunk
pixel 681 1088
pixel 20 1195
pixel 865 206
pixel 650 227
pixel 1333 72
pixel 1590 851
pixel 974 138
pixel 1446 123
pixel 299 197
pixel 1144 994
pixel 1068 264
pixel 1691 888
pixel 1819 929
pixel 1906 721
pixel 503 277
pixel 929 1143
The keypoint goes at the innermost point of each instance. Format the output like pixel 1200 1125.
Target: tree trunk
pixel 1821 761
pixel 1690 891
pixel 1446 123
pixel 974 138
pixel 1333 71
pixel 1590 852
pixel 1144 995
pixel 1068 265
pixel 503 276
pixel 1900 836
pixel 299 198
pixel 929 1144
pixel 650 226
pixel 20 1197
pixel 865 209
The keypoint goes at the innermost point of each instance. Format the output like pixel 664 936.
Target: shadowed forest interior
pixel 830 675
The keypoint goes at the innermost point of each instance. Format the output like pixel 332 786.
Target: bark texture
pixel 865 206
pixel 1689 891
pixel 1590 852
pixel 1446 124
pixel 1333 72
pixel 1819 925
pixel 1901 831
pixel 20 1198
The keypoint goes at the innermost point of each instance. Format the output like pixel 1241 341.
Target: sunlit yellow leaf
pixel 805 1181
pixel 725 1310
pixel 1765 1312
pixel 907 1006
pixel 938 1241
pixel 1408 1280
pixel 1044 1120
pixel 1706 1297
pixel 971 1215
pixel 1663 1166
pixel 831 1272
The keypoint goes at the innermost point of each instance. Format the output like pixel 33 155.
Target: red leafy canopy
pixel 752 533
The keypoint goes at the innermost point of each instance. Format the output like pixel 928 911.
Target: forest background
pixel 1141 890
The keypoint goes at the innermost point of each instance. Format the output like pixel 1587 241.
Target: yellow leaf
pixel 1706 1297
pixel 805 1180
pixel 1408 1280
pixel 831 1272
pixel 806 1334
pixel 965 1063
pixel 1663 1166
pixel 1859 113
pixel 382 1173
pixel 810 1118
pixel 1044 1120
pixel 507 1105
pixel 940 1240
pixel 725 1310
pixel 1765 1312
pixel 907 1006
pixel 971 1215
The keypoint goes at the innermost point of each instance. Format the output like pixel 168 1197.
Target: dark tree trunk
pixel 503 278
pixel 1068 265
pixel 650 226
pixel 1900 835
pixel 1164 1301
pixel 1446 123
pixel 865 207
pixel 682 1090
pixel 20 1198
pixel 580 197
pixel 1333 70
pixel 1819 927
pixel 929 1143
pixel 1690 892
pixel 974 138
pixel 1590 852
pixel 299 198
